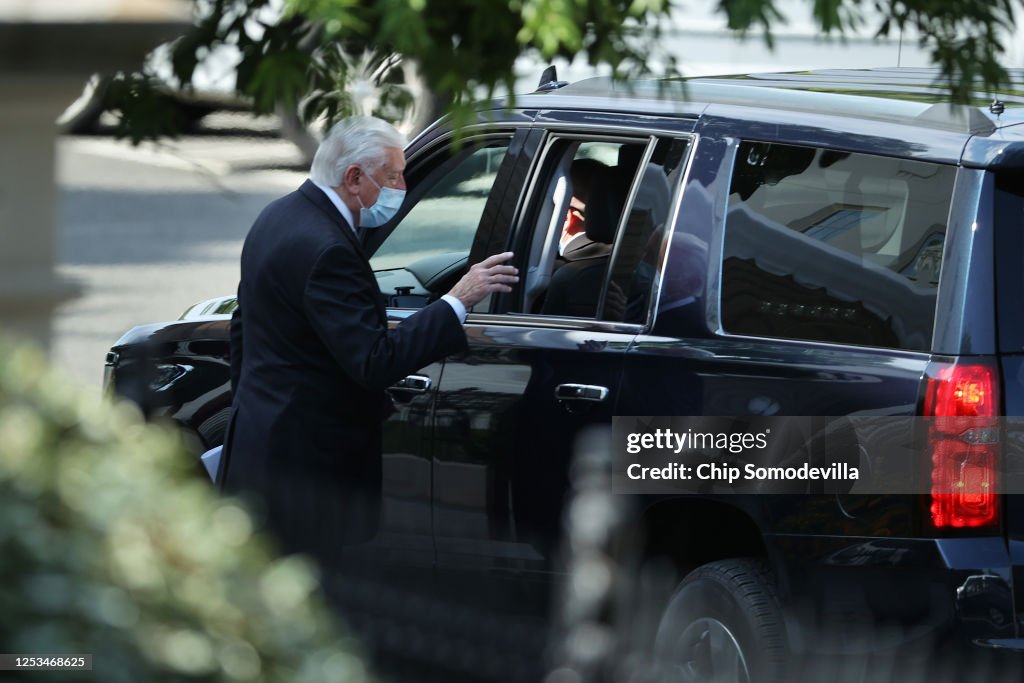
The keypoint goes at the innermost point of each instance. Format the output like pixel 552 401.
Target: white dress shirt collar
pixel 345 212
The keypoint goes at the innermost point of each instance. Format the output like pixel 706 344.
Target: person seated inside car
pixel 574 244
pixel 576 286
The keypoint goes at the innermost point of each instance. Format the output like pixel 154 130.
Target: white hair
pixel 357 140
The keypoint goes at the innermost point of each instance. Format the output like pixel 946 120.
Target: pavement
pixel 148 231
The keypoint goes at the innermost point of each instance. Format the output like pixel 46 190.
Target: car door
pixel 544 363
pixel 453 189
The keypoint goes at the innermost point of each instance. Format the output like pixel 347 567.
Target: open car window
pixel 598 225
pixel 427 251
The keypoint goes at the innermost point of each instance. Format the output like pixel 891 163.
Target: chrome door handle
pixel 419 384
pixel 581 392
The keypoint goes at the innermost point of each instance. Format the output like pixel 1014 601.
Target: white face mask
pixel 389 201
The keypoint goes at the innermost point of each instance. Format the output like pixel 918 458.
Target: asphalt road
pixel 149 231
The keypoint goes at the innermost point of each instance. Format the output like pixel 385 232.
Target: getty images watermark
pixel 841 455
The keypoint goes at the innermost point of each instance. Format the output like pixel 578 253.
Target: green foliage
pixel 742 15
pixel 962 36
pixel 464 47
pixel 278 77
pixel 113 546
pixel 147 111
pixel 321 49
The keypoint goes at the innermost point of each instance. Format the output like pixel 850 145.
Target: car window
pixel 427 250
pixel 597 226
pixel 833 246
pixel 639 249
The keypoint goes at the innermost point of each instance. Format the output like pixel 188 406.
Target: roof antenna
pixel 549 80
pixel 997 107
pixel 899 49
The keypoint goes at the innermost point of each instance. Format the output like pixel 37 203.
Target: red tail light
pixel 964 443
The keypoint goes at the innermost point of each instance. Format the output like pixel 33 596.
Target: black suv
pixel 827 243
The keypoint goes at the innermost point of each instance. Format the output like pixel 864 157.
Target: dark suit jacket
pixel 311 356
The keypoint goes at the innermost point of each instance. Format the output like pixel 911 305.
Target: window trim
pixel 622 128
pixel 951 333
pixel 551 322
pixel 672 222
pixel 620 229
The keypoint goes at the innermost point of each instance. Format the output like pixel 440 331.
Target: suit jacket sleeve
pixel 343 304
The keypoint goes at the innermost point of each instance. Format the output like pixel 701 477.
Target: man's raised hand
pixel 485 278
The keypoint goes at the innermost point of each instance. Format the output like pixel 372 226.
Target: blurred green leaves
pixel 113 545
pixel 464 49
pixel 278 77
pixel 148 112
pixel 965 39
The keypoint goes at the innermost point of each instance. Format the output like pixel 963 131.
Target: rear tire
pixel 724 624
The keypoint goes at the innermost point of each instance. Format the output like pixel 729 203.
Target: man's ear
pixel 351 178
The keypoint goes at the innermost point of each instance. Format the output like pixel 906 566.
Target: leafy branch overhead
pixel 966 39
pixel 333 57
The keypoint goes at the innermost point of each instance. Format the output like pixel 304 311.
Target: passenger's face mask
pixel 389 201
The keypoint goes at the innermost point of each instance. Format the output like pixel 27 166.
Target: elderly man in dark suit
pixel 311 352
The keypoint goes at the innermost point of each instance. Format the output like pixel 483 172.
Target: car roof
pixel 905 95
